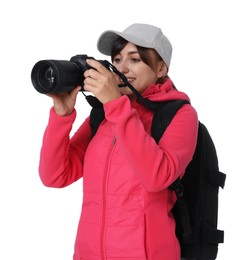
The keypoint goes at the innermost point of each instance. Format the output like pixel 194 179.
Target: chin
pixel 126 91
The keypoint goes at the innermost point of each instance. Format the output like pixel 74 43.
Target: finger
pixel 90 73
pixel 96 64
pixel 89 84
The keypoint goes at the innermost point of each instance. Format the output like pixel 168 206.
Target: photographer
pixel 126 210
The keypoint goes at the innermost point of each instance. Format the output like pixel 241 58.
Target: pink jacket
pixel 126 210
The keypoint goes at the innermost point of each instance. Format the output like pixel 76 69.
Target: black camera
pixel 54 76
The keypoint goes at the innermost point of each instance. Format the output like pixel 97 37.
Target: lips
pixel 121 84
pixel 130 80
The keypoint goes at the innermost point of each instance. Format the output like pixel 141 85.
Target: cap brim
pixel 107 39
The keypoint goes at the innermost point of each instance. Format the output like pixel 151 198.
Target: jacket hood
pixel 164 92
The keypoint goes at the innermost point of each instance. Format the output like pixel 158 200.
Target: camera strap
pixel 122 77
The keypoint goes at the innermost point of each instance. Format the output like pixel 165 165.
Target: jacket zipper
pixel 104 197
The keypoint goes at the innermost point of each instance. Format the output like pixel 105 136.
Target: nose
pixel 123 67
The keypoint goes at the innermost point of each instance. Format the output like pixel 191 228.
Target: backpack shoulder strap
pixel 96 117
pixel 164 113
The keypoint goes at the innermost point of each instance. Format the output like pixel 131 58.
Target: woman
pixel 126 211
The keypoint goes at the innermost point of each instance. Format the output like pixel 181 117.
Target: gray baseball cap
pixel 143 35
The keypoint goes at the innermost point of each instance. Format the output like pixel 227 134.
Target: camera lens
pixel 49 76
pixel 46 77
pixel 54 76
pixel 43 77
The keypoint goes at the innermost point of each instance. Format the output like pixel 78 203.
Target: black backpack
pixel 196 209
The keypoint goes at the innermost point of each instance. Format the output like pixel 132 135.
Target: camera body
pixel 55 76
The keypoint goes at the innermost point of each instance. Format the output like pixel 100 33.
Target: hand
pixel 101 82
pixel 64 103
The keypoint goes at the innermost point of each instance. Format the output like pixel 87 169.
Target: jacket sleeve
pixel 61 157
pixel 156 165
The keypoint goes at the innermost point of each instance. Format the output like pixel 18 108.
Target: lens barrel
pixel 55 76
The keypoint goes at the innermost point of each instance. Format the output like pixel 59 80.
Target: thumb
pixel 75 91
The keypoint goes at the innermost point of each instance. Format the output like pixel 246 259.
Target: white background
pixel 210 62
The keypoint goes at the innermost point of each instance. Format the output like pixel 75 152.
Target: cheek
pixel 146 81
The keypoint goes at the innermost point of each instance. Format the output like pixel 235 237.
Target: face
pixel 138 73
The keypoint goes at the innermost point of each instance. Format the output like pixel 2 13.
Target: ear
pixel 162 70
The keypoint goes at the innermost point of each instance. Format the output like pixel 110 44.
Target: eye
pixel 116 60
pixel 135 60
